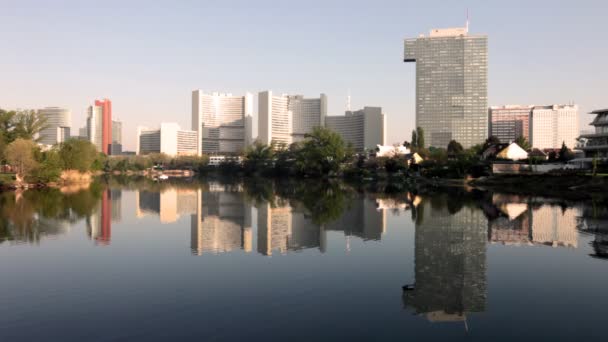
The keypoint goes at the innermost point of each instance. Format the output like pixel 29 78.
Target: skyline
pixel 150 59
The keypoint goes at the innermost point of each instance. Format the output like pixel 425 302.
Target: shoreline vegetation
pixel 321 155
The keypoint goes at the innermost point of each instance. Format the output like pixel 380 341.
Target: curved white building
pixel 222 122
pixel 58 123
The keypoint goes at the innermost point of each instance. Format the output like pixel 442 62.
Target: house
pixel 512 152
pixel 537 154
pixel 391 151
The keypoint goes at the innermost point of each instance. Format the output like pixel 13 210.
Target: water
pixel 229 261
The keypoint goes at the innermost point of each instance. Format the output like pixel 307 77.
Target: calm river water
pixel 247 260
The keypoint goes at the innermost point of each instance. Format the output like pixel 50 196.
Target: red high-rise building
pixel 106 125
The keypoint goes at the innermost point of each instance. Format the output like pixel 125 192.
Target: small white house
pixel 512 152
pixel 391 151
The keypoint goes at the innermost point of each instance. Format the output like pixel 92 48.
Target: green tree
pixel 258 157
pixel 565 153
pixel 20 155
pixel 414 142
pixel 322 153
pixel 78 155
pixel 420 133
pixel 49 167
pixel 455 148
pixel 28 125
pixel 523 142
pixel 7 125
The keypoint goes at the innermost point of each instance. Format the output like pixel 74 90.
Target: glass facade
pixel 451 86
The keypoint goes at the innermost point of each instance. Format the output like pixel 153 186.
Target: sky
pixel 148 56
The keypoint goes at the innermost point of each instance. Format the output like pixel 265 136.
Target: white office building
pixel 364 129
pixel 288 118
pixel 223 122
pixel 95 126
pixel 168 139
pixel 58 123
pixel 552 125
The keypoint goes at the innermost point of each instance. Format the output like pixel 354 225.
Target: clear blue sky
pixel 147 56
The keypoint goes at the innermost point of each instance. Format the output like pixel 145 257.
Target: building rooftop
pixel 599 111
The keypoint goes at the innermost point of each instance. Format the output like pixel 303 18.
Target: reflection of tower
pixel 222 222
pixel 116 196
pixel 285 228
pixel 450 263
pixel 362 219
pixel 100 223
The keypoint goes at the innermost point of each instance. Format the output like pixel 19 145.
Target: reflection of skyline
pixel 517 222
pixel 594 220
pixel 221 223
pixel 99 224
pixel 362 219
pixel 170 204
pixel 450 263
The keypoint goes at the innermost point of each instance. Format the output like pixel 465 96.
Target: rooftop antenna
pixel 467 23
pixel 348 101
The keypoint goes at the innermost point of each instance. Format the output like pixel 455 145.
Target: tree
pixel 407 144
pixel 322 152
pixel 523 142
pixel 564 153
pixel 49 166
pixel 28 125
pixel 7 125
pixel 455 148
pixel 420 133
pixel 414 139
pixel 258 157
pixel 492 140
pixel 20 155
pixel 78 155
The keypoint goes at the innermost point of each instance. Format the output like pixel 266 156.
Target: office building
pixel 510 122
pixel 99 125
pixel 223 122
pixel 553 125
pixel 451 86
pixel 116 137
pixel 57 128
pixel 364 129
pixel 168 139
pixel 286 119
pixel 597 142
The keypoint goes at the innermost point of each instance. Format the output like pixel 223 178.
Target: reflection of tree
pixel 30 215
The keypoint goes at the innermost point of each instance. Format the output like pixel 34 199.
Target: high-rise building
pixel 288 118
pixel 57 127
pixel 99 125
pixel 364 129
pixel 168 139
pixel 508 123
pixel 116 137
pixel 451 86
pixel 553 125
pixel 222 122
pixel 597 142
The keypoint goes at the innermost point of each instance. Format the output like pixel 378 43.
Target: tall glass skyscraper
pixel 451 86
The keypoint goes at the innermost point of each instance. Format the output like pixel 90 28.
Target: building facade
pixel 99 125
pixel 223 122
pixel 287 119
pixel 116 137
pixel 364 129
pixel 597 143
pixel 553 125
pixel 58 125
pixel 510 122
pixel 451 86
pixel 168 139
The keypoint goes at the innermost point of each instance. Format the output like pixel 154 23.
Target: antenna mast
pixel 467 23
pixel 348 101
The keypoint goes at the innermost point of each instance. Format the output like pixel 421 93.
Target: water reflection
pixel 450 261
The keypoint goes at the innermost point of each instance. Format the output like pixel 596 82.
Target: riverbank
pixel 574 186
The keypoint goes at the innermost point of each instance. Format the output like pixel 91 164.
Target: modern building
pixel 168 139
pixel 58 123
pixel 597 143
pixel 99 125
pixel 553 125
pixel 286 119
pixel 451 85
pixel 83 133
pixel 223 122
pixel 364 129
pixel 510 122
pixel 116 137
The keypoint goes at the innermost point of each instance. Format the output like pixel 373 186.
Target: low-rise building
pixel 596 144
pixel 168 139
